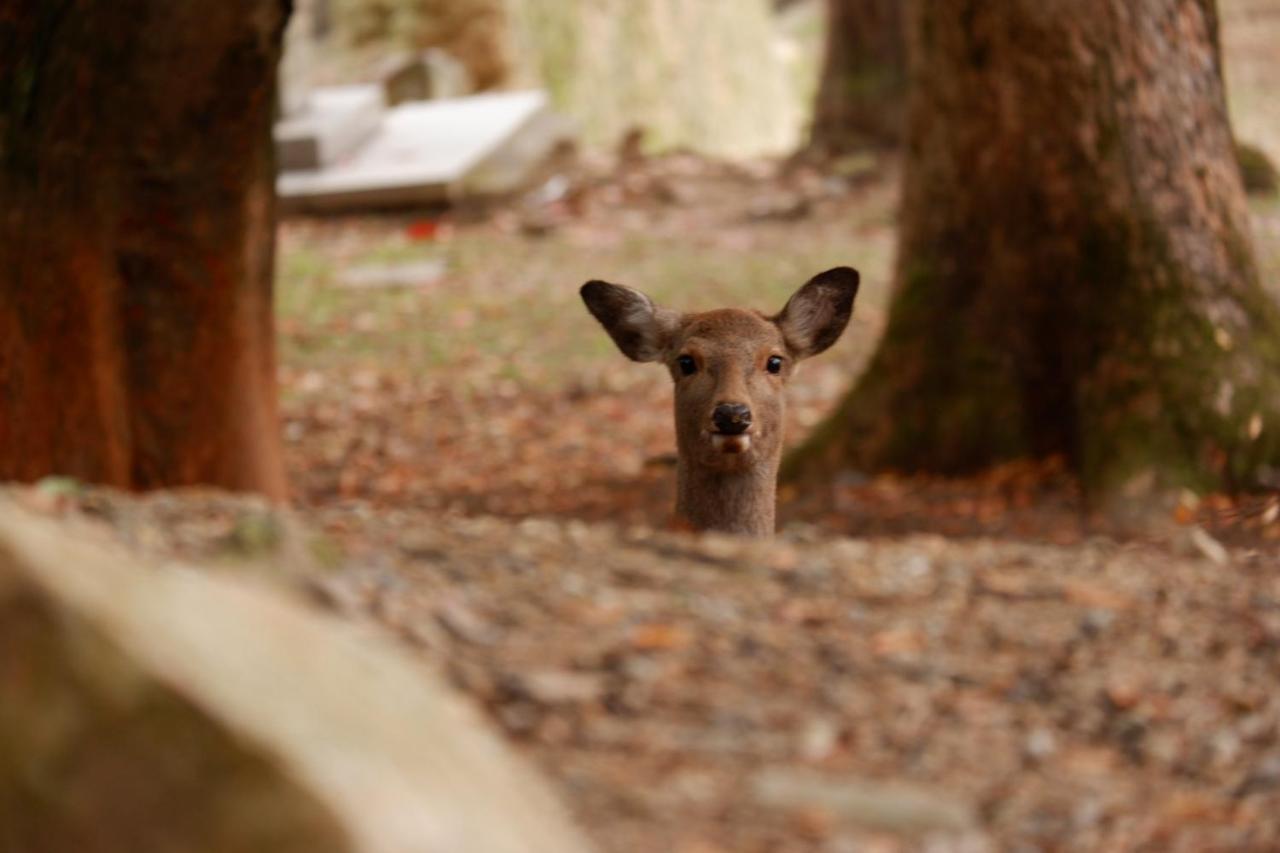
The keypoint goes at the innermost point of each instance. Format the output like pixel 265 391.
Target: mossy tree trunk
pixel 136 242
pixel 862 93
pixel 1075 275
pixel 475 32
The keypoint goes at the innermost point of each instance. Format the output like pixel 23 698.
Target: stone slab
pixel 376 276
pixel 160 708
pixel 433 152
pixel 329 125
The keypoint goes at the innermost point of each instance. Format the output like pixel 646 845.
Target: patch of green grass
pixel 508 306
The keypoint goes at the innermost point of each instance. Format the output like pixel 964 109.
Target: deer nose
pixel 732 418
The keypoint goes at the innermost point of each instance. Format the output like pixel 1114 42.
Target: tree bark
pixel 863 91
pixel 136 242
pixel 1075 275
pixel 702 75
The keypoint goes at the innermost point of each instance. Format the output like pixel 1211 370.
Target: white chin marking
pixel 731 443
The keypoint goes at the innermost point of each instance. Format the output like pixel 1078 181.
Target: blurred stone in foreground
pixel 145 709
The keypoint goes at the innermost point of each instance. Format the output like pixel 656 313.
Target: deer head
pixel 729 367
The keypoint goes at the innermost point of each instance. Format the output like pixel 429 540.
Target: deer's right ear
pixel 815 316
pixel 641 329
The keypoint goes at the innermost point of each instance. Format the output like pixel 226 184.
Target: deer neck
pixel 734 502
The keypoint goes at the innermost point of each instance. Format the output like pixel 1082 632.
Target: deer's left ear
pixel 641 329
pixel 818 312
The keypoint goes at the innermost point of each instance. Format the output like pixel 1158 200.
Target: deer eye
pixel 774 364
pixel 687 365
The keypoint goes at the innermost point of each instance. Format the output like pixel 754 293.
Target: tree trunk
pixel 703 75
pixel 862 94
pixel 1075 275
pixel 136 242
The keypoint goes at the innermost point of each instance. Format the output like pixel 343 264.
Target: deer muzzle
pixel 731 418
pixel 731 421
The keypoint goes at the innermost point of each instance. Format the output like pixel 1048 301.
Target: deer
pixel 729 367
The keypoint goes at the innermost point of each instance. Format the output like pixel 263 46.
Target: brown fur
pixel 722 485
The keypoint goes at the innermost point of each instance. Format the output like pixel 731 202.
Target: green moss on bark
pixel 1071 283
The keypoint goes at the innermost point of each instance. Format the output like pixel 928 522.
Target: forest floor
pixel 446 364
pixel 708 694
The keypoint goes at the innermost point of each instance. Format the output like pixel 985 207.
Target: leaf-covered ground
pixel 445 363
pixel 712 694
pixel 487 387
